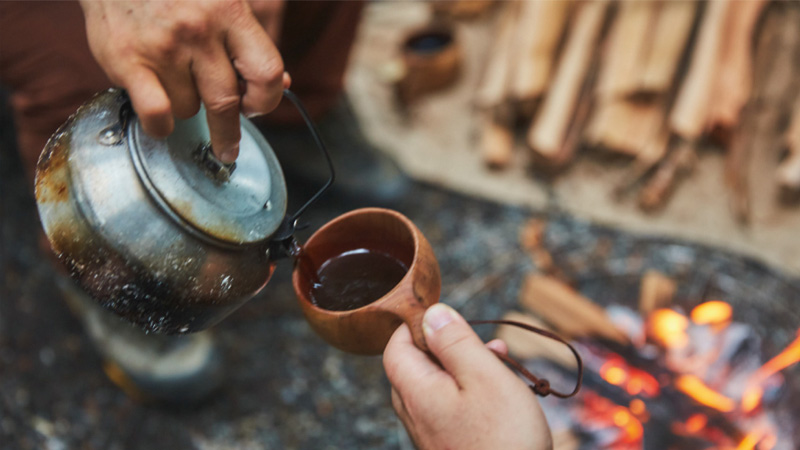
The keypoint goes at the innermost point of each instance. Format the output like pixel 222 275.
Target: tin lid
pixel 240 204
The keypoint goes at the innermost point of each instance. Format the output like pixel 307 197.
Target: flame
pixel 696 422
pixel 695 388
pixel 712 313
pixel 669 328
pixel 634 381
pixel 637 407
pixel 752 395
pixel 750 441
pixel 607 412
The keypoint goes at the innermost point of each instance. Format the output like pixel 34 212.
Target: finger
pixel 498 346
pixel 218 88
pixel 180 87
pixel 458 348
pixel 408 368
pixel 259 63
pixel 150 101
pixel 287 80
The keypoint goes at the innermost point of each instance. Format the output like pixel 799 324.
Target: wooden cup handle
pixel 411 314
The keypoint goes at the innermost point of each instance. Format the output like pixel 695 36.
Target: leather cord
pixel 540 386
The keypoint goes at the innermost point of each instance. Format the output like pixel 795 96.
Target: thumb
pixel 457 347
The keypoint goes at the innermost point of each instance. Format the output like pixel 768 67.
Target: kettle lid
pixel 241 203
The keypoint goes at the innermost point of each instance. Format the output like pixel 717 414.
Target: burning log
pixel 539 30
pixel 549 131
pixel 627 45
pixel 524 345
pixel 671 32
pixel 568 311
pixel 655 292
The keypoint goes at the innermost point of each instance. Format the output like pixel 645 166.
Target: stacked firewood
pixel 647 80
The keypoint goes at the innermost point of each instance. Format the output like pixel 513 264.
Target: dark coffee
pixel 355 278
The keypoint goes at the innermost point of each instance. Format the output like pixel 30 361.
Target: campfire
pixel 657 375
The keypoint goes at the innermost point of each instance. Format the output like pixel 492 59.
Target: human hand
pixel 171 55
pixel 472 401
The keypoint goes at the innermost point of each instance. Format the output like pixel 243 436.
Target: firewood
pixel 670 35
pixel 626 47
pixel 678 163
pixel 655 292
pixel 462 9
pixel 548 132
pixel 497 140
pixel 775 88
pixel 492 90
pixel 691 111
pixel 623 126
pixel 568 311
pixel 648 158
pixel 523 344
pixel 789 169
pixel 734 80
pixel 539 29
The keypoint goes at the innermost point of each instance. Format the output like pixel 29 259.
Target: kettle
pixel 159 231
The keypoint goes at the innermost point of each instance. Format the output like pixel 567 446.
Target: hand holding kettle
pixel 172 55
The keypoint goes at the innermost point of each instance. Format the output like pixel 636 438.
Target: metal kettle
pixel 158 230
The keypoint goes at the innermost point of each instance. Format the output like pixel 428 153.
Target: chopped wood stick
pixel 734 78
pixel 774 89
pixel 623 126
pixel 523 344
pixel 691 111
pixel 497 140
pixel 644 163
pixel 548 132
pixel 625 50
pixel 789 168
pixel 493 88
pixel 659 188
pixel 567 310
pixel 539 30
pixel 674 23
pixel 655 292
pixel 462 9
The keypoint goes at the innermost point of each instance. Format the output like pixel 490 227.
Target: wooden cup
pixel 367 329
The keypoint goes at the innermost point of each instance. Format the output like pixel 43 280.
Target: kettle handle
pixel 292 220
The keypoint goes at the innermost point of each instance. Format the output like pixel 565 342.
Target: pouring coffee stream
pixel 147 228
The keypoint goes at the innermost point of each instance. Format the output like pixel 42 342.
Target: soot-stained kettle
pixel 158 230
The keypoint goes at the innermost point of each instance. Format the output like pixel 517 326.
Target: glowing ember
pixel 696 422
pixel 669 328
pixel 752 395
pixel 634 381
pixel 712 313
pixel 695 388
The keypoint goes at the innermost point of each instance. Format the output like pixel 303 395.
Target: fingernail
pixel 252 115
pixel 437 317
pixel 228 156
